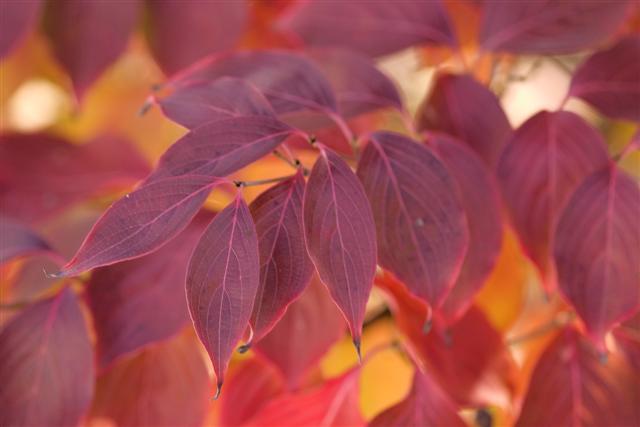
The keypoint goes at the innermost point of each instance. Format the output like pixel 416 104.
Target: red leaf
pixel 594 393
pixel 462 107
pixel 46 364
pixel 543 163
pixel 374 28
pixel 426 405
pixel 18 240
pixel 18 19
pixel 311 325
pixel 285 268
pixel 481 202
pixel 609 81
pixel 421 225
pixel 125 298
pixel 87 36
pixel 597 248
pixel 222 280
pixel 182 32
pixel 549 26
pixel 165 385
pixel 340 236
pixel 627 338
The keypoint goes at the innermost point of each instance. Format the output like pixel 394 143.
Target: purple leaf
pixel 285 268
pixel 540 167
pixel 182 32
pixel 18 19
pixel 609 81
pixel 481 201
pixel 16 239
pixel 549 26
pixel 87 36
pixel 340 236
pixel 222 280
pixel 462 107
pixel 420 221
pixel 46 364
pixel 597 248
pixel 374 28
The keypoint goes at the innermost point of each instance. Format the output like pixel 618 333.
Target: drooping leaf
pixel 420 221
pixel 285 267
pixel 593 392
pixel 596 250
pixel 46 364
pixel 125 298
pixel 182 32
pixel 481 201
pixel 222 280
pixel 608 80
pixel 426 405
pixel 548 26
pixel 88 36
pixel 340 236
pixel 311 325
pixel 540 167
pixel 462 107
pixel 16 239
pixel 18 19
pixel 167 384
pixel 373 28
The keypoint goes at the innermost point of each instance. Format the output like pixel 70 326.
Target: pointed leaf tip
pixel 356 343
pixel 244 348
pixel 218 390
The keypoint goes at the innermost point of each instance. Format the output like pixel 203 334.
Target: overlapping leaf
pixel 16 239
pixel 18 19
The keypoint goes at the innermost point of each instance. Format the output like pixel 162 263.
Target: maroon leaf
pixel 426 405
pixel 222 281
pixel 549 26
pixel 311 325
pixel 608 80
pixel 420 221
pixel 165 385
pixel 340 236
pixel 597 247
pixel 374 28
pixel 17 239
pixel 87 36
pixel 182 32
pixel 285 268
pixel 543 163
pixel 46 364
pixel 18 19
pixel 125 298
pixel 594 393
pixel 481 202
pixel 462 107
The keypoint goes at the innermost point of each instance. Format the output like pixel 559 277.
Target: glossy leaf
pixel 608 80
pixel 222 281
pixel 374 28
pixel 597 247
pixel 542 164
pixel 46 364
pixel 167 384
pixel 18 19
pixel 16 239
pixel 88 36
pixel 285 267
pixel 340 236
pixel 549 26
pixel 462 107
pixel 182 32
pixel 420 221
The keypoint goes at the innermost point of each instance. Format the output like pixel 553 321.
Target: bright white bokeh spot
pixel 36 105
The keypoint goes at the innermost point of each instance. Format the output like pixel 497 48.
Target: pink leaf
pixel 46 364
pixel 285 268
pixel 549 26
pixel 18 19
pixel 540 167
pixel 222 280
pixel 182 32
pixel 340 236
pixel 374 28
pixel 420 221
pixel 609 81
pixel 16 239
pixel 597 248
pixel 462 107
pixel 88 36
